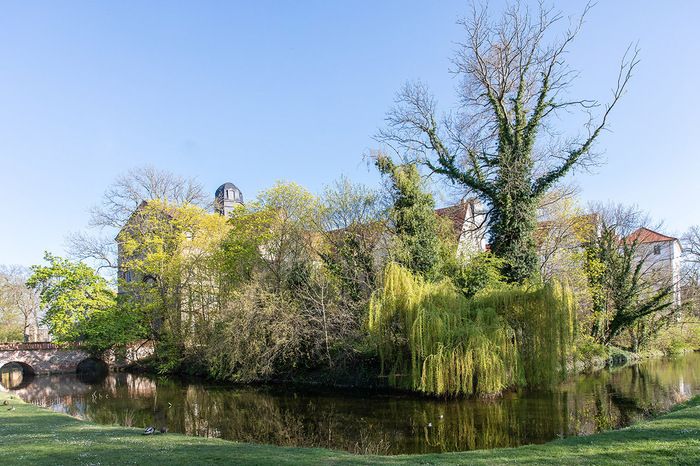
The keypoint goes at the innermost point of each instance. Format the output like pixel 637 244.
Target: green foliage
pixel 678 347
pixel 479 272
pixel 11 333
pixel 287 308
pixel 262 335
pixel 513 225
pixel 622 294
pixel 240 249
pixel 588 349
pixel 80 306
pixel 354 223
pixel 350 259
pixel 679 338
pixel 431 338
pixel 114 327
pixel 176 262
pixel 290 215
pixel 76 299
pixel 543 316
pixel 415 244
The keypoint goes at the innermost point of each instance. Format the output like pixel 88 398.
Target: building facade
pixel 661 258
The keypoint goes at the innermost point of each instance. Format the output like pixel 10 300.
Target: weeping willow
pixel 543 317
pixel 431 340
pixel 434 340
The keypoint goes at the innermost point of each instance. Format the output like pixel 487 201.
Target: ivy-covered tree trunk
pixel 513 224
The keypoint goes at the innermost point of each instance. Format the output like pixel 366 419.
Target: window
pixel 657 249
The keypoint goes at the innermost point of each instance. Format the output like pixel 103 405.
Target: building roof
pixel 227 185
pixel 645 235
pixel 456 214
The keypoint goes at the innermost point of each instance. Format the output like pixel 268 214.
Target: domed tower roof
pixel 228 185
pixel 226 196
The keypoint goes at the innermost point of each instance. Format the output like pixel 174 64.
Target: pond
pixel 385 423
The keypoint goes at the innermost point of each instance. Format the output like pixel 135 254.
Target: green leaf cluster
pixel 81 307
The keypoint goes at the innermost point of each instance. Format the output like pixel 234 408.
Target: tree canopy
pixel 496 144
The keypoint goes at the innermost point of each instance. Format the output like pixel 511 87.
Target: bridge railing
pixel 36 345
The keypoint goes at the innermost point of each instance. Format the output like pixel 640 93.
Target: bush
pixel 480 272
pixel 588 349
pixel 543 317
pixel 261 335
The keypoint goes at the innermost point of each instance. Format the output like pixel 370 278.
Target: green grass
pixel 30 435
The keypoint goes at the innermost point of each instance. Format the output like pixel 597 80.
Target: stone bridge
pixel 49 358
pixel 42 358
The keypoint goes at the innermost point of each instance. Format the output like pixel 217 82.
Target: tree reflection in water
pixel 372 423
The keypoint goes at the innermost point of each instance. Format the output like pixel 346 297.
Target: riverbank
pixel 38 436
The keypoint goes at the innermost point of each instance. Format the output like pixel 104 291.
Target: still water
pixel 369 422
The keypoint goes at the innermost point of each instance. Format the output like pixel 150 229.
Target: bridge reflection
pixel 15 376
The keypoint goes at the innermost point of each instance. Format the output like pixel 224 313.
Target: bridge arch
pixel 91 370
pixel 15 375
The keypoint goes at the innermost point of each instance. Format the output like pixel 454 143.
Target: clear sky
pixel 253 92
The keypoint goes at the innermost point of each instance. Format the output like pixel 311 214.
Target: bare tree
pixel 129 190
pixel 120 200
pixel 17 301
pixel 691 272
pixel 353 223
pixel 500 143
pixel 691 245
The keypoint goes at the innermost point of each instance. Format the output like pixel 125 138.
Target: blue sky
pixel 260 91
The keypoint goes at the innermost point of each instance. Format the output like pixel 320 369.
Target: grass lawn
pixel 30 435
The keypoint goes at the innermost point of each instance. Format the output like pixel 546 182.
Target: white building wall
pixel 473 237
pixel 662 263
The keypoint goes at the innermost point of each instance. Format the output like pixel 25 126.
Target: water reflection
pixel 15 376
pixel 372 423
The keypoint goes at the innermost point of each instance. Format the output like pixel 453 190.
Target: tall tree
pixel 19 304
pixel 120 200
pixel 625 289
pixel 416 244
pixel 353 223
pixel 513 83
pixel 80 306
pixel 171 259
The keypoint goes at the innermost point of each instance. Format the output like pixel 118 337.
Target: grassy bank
pixel 37 436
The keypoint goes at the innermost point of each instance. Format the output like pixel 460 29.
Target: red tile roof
pixel 455 213
pixel 645 235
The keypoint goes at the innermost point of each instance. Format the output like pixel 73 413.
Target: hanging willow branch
pixel 434 340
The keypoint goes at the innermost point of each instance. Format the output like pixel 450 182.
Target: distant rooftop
pixel 645 235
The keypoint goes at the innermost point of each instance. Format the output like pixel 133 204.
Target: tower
pixel 226 198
